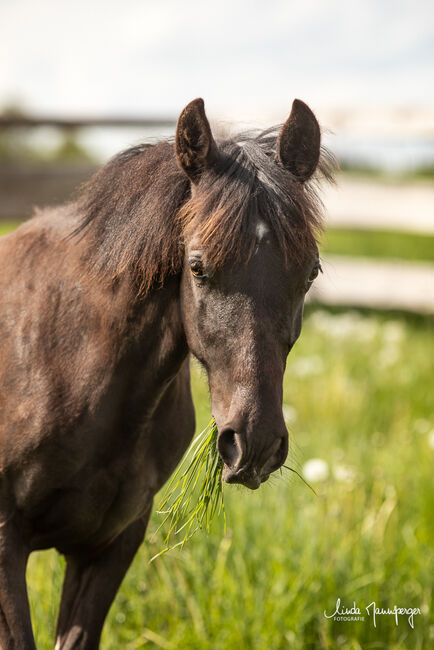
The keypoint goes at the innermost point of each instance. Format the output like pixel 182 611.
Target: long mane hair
pixel 138 207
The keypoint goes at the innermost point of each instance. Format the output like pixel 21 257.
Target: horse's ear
pixel 194 145
pixel 298 145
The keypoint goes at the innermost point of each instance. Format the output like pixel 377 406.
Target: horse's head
pixel 250 257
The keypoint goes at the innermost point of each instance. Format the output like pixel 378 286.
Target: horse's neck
pixel 164 328
pixel 154 333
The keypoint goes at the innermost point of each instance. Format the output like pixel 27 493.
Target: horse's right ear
pixel 299 142
pixel 194 145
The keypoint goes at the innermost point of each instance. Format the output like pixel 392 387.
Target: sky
pixel 246 58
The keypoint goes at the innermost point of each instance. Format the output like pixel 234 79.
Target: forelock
pixel 250 183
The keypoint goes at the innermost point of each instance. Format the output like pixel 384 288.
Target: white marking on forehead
pixel 261 230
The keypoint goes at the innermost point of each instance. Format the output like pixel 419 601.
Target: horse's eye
pixel 196 268
pixel 314 274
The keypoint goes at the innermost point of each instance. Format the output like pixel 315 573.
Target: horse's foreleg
pixel 15 624
pixel 90 587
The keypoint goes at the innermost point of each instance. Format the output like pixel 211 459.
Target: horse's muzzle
pixel 247 477
pixel 237 467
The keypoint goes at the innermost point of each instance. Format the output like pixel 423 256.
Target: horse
pixel 190 246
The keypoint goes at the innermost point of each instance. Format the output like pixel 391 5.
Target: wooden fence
pixel 24 185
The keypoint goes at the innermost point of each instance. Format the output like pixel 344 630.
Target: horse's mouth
pixel 247 477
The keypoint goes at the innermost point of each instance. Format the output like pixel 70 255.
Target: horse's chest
pixel 85 480
pixel 97 504
pixel 115 484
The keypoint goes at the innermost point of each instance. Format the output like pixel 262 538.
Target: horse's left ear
pixel 298 145
pixel 195 146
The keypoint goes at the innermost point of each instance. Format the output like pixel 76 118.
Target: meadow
pixel 358 404
pixel 357 398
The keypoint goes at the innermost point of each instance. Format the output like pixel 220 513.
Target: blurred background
pixel 81 81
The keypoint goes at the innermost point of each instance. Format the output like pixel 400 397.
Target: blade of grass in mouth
pixel 194 495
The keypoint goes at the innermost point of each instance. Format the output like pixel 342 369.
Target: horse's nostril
pixel 228 447
pixel 279 456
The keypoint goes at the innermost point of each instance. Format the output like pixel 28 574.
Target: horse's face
pixel 241 320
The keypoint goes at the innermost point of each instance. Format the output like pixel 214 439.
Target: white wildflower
pixel 315 470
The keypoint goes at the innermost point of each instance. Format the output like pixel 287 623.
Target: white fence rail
pixel 375 284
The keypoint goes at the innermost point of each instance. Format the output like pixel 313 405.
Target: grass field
pixel 380 244
pixel 358 396
pixel 7 226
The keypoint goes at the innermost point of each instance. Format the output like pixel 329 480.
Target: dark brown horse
pixel 192 246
